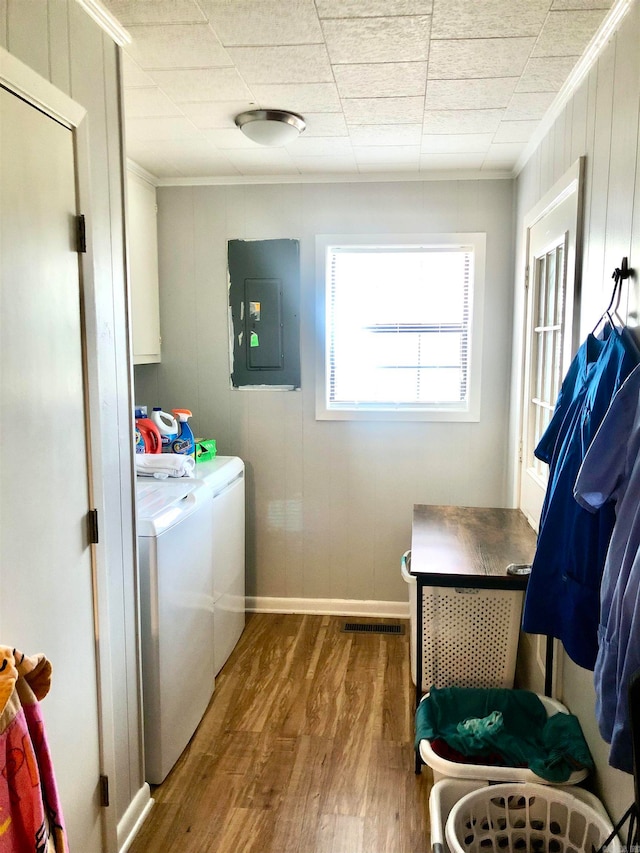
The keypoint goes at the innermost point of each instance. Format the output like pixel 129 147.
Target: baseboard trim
pixel 136 814
pixel 328 607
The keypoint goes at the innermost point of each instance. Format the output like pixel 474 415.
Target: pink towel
pixel 31 818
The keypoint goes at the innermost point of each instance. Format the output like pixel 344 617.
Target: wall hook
pixel 622 272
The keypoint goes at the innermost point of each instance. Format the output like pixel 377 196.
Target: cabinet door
pixel 143 269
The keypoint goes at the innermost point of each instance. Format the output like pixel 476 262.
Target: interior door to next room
pixel 46 566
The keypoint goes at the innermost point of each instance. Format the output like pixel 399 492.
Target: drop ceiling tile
pixel 153 129
pixel 158 166
pixel 324 124
pixel 195 147
pixel 545 74
pixel 205 168
pixel 245 22
pixel 360 40
pixel 263 161
pixel 515 131
pixel 299 97
pixel 320 146
pixel 581 4
pixel 326 165
pixel 139 103
pixel 381 79
pixel 386 134
pixel 479 94
pixel 372 8
pixel 454 162
pixel 456 19
pixel 158 12
pixel 568 33
pixel 474 143
pixel 388 154
pixel 195 157
pixel 132 74
pixel 462 121
pixel 490 168
pixel 214 114
pixel 452 59
pixel 528 106
pixel 137 150
pixel 306 63
pixel 176 46
pixel 383 110
pixel 389 168
pixel 199 165
pixel 202 84
pixel 226 138
pixel 504 152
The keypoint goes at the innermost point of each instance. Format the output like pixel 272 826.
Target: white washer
pixel 224 477
pixel 177 615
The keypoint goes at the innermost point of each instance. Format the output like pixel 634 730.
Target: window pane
pixel 398 325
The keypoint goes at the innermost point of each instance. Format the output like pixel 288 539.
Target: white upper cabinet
pixel 143 269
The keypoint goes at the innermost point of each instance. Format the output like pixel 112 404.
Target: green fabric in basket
pixel 512 723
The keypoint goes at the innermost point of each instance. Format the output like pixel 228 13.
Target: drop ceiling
pixel 404 88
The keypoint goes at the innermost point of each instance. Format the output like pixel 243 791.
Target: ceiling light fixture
pixel 271 127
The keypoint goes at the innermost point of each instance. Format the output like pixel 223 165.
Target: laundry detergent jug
pixel 167 427
pixel 147 436
pixel 184 442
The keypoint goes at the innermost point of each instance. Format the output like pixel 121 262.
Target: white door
pixel 46 566
pixel 553 241
pixel 550 330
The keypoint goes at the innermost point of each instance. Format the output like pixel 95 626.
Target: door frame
pixel 572 182
pixel 19 79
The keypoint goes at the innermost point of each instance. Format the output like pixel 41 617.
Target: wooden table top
pixel 470 546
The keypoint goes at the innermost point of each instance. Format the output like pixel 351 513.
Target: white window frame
pixel 440 412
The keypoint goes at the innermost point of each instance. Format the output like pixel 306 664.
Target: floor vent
pixel 371 628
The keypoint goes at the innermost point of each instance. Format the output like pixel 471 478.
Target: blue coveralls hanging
pixel 562 597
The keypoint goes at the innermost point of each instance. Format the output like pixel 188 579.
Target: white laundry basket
pixel 520 816
pixel 469 635
pixel 443 768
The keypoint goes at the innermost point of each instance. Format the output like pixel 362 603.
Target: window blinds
pixel 398 333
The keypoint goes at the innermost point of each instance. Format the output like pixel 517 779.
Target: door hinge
pixel 520 452
pixel 526 276
pixel 92 523
pixel 104 791
pixel 81 228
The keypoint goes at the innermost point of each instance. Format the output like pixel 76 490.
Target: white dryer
pixel 175 548
pixel 224 477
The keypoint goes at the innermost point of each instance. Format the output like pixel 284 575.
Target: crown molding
pixel 141 173
pixel 338 178
pixel 106 21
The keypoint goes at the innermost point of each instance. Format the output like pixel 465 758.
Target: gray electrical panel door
pixel 264 296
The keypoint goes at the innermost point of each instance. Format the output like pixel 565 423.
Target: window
pixel 400 327
pixel 547 342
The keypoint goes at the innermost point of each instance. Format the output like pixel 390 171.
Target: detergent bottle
pixel 147 437
pixel 184 442
pixel 167 427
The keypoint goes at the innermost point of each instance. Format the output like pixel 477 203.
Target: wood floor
pixel 306 748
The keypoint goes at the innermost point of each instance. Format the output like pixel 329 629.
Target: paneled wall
pixel 329 503
pixel 600 122
pixel 63 44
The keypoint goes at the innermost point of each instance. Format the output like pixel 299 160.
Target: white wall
pixel 329 503
pixel 601 122
pixel 61 43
